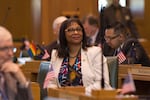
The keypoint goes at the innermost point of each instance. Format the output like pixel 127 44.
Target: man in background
pixel 56 26
pixel 13 84
pixel 91 26
pixel 115 12
pixel 128 49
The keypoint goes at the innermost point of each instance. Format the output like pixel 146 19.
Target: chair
pixel 43 69
pixel 113 70
pixel 30 69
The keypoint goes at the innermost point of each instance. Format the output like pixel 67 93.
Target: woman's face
pixel 74 34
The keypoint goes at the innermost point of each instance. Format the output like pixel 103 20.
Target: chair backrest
pixel 112 62
pixel 43 69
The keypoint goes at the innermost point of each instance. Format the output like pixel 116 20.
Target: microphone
pixel 102 25
pixel 41 48
pixel 6 15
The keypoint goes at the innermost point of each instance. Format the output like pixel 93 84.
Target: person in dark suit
pixel 56 25
pixel 91 25
pixel 116 36
pixel 24 48
pixel 115 12
pixel 13 84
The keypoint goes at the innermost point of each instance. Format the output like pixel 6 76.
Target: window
pixel 105 3
pixel 137 8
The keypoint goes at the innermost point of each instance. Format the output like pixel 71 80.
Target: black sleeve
pixel 24 93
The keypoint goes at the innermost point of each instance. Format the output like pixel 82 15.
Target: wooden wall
pixel 16 16
pixel 54 8
pixel 143 25
pixel 33 18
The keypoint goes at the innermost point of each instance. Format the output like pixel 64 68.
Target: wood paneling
pixel 143 25
pixel 18 18
pixel 21 19
pixel 54 8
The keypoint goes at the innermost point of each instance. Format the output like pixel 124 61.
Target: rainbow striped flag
pixel 32 50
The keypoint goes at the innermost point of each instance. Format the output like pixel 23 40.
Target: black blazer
pixel 135 53
pixel 50 47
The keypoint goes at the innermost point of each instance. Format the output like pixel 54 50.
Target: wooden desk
pixel 72 94
pixel 30 69
pixel 35 88
pixel 141 76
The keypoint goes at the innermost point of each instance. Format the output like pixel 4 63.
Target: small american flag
pixel 128 85
pixel 121 57
pixel 50 75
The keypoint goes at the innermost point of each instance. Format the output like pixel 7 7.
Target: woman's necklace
pixel 75 55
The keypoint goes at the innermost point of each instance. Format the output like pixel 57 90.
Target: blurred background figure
pixel 93 32
pixel 115 12
pixel 56 26
pixel 91 26
pixel 24 48
pixel 28 51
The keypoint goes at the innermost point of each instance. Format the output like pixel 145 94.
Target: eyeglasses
pixel 6 49
pixel 108 38
pixel 74 29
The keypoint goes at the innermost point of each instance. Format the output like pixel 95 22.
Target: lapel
pixel 56 65
pixel 85 61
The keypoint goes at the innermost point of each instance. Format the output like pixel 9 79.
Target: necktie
pixel 2 87
pixel 89 41
pixel 117 51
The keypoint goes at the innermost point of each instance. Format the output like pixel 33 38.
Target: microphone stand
pixel 102 74
pixel 6 15
pixel 102 93
pixel 102 42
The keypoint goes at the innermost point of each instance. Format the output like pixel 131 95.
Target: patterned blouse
pixel 70 75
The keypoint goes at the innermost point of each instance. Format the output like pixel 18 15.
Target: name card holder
pixel 140 71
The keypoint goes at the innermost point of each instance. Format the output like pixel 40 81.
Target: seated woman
pixel 74 63
pixel 24 48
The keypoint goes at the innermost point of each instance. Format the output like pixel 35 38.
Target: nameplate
pixel 140 71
